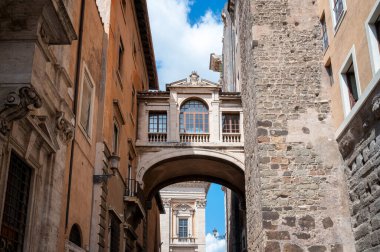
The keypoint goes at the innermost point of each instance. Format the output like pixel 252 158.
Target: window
pixel 133 100
pixel 121 56
pixel 75 235
pixel 193 117
pixel 330 73
pixel 373 37
pixel 114 233
pixel 352 87
pixel 115 138
pixel 124 5
pixel 324 33
pixel 16 204
pixel 349 82
pixel 86 104
pixel 338 10
pixel 231 123
pixel 182 228
pixel 157 122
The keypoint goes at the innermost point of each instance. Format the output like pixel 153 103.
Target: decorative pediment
pixel 193 80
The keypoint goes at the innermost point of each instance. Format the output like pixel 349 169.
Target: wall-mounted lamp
pixel 113 161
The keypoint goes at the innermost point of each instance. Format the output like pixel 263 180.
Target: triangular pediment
pixel 193 81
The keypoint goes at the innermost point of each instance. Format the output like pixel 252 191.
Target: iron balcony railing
pixel 338 10
pixel 133 189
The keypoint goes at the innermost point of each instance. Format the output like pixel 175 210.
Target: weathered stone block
pixel 272 247
pixel 317 249
pixel 327 222
pixel 306 223
pixel 278 235
pixel 292 248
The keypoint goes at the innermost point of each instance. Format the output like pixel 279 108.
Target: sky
pixel 185 33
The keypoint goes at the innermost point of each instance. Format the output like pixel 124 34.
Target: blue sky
pixel 215 210
pixel 200 7
pixel 185 33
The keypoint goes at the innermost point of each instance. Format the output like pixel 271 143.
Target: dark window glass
pixel 121 56
pixel 352 86
pixel 193 117
pixel 377 26
pixel 338 10
pixel 115 233
pixel 330 74
pixel 231 123
pixel 183 228
pixel 115 141
pixel 16 204
pixel 324 33
pixel 75 235
pixel 157 122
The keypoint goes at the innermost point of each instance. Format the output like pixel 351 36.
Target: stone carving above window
pixel 17 106
pixel 201 203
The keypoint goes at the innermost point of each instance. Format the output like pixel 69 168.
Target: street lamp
pixel 113 161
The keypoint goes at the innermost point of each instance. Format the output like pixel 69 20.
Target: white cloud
pixel 215 245
pixel 179 46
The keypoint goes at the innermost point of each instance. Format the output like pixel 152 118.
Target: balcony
pixel 157 137
pixel 134 199
pixel 338 10
pixel 183 240
pixel 231 138
pixel 194 138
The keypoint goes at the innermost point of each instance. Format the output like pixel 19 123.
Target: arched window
pixel 193 117
pixel 75 235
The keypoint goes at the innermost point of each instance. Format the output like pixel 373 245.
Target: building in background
pixel 183 226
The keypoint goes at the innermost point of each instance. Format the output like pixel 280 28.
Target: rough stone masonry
pixel 297 199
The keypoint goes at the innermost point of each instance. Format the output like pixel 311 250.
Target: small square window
pixel 157 122
pixel 231 123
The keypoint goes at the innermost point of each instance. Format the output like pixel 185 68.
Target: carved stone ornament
pixel 201 203
pixel 17 106
pixel 64 127
pixel 376 106
pixel 194 78
pixel 346 145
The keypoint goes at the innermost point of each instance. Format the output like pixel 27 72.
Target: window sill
pixel 87 136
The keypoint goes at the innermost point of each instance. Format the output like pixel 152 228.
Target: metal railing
pixel 133 189
pixel 194 138
pixel 338 10
pixel 231 137
pixel 157 137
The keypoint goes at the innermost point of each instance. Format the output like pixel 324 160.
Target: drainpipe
pixel 75 105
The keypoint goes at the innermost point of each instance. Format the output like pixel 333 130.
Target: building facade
pixel 183 224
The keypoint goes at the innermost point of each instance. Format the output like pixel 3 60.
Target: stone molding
pixel 201 203
pixel 17 106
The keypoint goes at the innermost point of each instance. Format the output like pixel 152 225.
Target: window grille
pixel 16 205
pixel 183 228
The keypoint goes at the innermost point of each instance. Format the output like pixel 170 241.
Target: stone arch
pixel 173 166
pixel 196 98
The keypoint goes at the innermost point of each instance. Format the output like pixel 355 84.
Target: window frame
pixel 87 76
pixel 373 37
pixel 184 227
pixel 336 23
pixel 158 114
pixel 344 82
pixel 192 117
pixel 231 125
pixel 325 37
pixel 120 60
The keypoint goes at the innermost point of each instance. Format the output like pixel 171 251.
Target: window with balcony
pixel 15 205
pixel 183 229
pixel 194 122
pixel 349 83
pixel 373 36
pixel 324 33
pixel 157 126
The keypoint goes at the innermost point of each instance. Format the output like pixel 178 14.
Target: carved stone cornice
pixel 64 127
pixel 17 106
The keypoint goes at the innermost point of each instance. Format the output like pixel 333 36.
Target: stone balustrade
pixel 194 138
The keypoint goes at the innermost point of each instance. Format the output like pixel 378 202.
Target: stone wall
pixel 294 172
pixel 360 146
